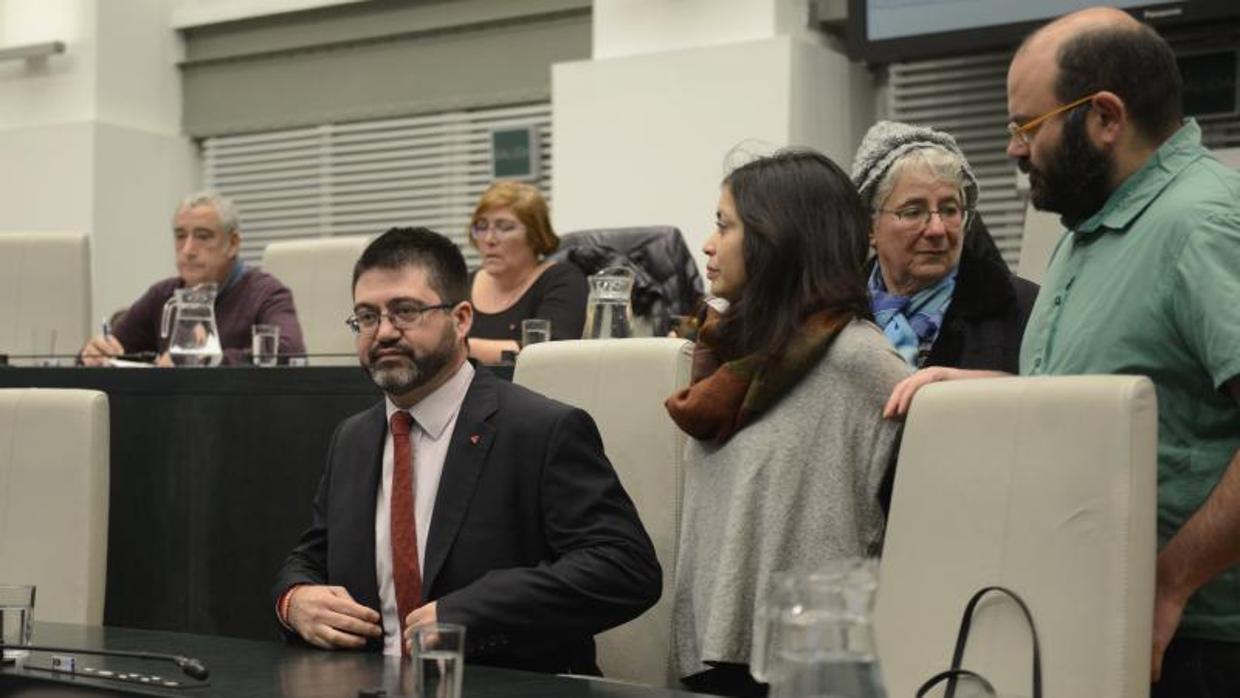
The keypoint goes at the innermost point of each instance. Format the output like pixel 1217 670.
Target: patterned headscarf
pixel 911 323
pixel 888 141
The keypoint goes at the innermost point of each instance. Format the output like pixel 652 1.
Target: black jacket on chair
pixel 666 280
pixel 985 322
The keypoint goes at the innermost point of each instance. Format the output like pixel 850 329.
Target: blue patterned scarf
pixel 911 323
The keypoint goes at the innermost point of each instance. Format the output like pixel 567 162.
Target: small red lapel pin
pixel 473 439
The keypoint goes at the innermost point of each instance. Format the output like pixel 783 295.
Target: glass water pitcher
pixel 814 635
pixel 609 310
pixel 189 326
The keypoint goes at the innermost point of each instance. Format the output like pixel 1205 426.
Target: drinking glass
pixel 535 330
pixel 438 660
pixel 16 618
pixel 265 344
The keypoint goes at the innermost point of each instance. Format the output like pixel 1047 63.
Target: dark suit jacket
pixel 534 545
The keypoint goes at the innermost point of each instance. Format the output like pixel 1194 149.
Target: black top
pixel 558 295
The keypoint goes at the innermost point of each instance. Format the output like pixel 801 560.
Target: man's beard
pixel 1074 182
pixel 401 377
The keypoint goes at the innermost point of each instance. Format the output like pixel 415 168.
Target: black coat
pixel 666 280
pixel 985 322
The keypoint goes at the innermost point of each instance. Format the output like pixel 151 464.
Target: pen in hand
pixel 108 341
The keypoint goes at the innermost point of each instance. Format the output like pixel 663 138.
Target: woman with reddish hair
pixel 511 229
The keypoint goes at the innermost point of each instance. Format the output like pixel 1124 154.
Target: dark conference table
pixel 247 668
pixel 212 475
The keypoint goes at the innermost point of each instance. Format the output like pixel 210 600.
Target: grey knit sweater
pixel 794 489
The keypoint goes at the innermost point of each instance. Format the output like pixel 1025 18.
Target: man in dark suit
pixel 461 498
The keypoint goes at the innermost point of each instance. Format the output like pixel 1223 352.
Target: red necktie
pixel 405 571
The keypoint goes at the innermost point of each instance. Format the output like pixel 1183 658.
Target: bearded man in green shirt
pixel 1145 280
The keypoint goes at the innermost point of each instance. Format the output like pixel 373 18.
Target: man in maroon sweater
pixel 207 241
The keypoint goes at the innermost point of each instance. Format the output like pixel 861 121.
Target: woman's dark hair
pixel 1135 63
pixel 805 241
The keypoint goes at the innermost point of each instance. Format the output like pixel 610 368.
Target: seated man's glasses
pixel 401 315
pixel 954 216
pixel 1024 132
pixel 503 228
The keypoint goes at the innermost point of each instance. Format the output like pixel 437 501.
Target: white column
pixel 90 139
pixel 678 91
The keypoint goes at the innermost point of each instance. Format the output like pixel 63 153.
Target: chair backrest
pixel 318 272
pixel 667 282
pixel 622 383
pixel 1046 486
pixel 44 292
pixel 54 499
pixel 1037 243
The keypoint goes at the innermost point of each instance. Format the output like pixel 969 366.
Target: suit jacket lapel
pixel 369 468
pixel 471 441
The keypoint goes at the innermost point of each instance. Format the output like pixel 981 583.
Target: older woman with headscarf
pixel 939 288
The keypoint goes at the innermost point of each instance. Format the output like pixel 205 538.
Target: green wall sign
pixel 514 153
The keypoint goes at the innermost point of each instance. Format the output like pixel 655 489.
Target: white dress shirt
pixel 434 419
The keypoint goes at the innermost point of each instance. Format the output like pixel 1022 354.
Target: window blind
pixel 966 96
pixel 363 177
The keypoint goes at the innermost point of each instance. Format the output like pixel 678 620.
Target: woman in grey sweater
pixel 789 450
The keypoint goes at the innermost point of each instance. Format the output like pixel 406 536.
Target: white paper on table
pixel 121 363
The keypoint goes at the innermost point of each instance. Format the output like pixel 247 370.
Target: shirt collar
pixel 1144 185
pixel 435 411
pixel 234 274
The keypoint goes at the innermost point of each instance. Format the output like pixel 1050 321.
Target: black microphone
pixel 192 667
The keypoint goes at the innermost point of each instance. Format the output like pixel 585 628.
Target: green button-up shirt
pixel 1150 285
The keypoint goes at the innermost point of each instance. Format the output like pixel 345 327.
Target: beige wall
pixel 646 130
pixel 90 138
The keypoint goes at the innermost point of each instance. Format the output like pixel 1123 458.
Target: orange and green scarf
pixel 724 398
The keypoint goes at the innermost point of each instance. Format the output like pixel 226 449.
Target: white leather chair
pixel 1037 243
pixel 1046 486
pixel 44 293
pixel 319 271
pixel 622 383
pixel 54 499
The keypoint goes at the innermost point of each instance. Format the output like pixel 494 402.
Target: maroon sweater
pixel 256 298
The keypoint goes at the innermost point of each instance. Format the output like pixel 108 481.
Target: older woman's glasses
pixel 1024 132
pixel 402 316
pixel 954 216
pixel 502 228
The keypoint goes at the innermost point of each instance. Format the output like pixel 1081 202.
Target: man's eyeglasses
pixel 502 228
pixel 1024 132
pixel 402 316
pixel 954 216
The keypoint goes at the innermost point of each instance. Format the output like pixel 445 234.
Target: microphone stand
pixel 190 666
